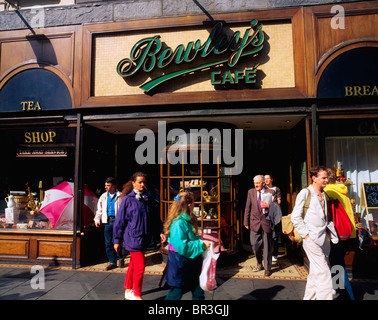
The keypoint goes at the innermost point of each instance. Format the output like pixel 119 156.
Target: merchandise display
pixel 214 194
pixel 22 212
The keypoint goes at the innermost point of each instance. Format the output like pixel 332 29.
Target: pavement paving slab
pixel 239 282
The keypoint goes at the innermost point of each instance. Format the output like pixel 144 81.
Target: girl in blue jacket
pixel 132 229
pixel 185 249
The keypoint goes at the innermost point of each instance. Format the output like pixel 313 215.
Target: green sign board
pixel 150 53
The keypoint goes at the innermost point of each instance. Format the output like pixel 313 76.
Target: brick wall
pixel 108 11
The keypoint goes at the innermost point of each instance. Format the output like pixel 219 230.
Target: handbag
pixel 363 235
pixel 364 238
pixel 289 230
pixel 287 224
pixel 209 266
pixel 340 219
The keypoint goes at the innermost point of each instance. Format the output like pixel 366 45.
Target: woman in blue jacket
pixel 185 249
pixel 133 229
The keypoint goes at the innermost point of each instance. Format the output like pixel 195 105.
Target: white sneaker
pixel 130 296
pixel 274 259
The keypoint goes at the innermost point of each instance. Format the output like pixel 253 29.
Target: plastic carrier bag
pixel 209 268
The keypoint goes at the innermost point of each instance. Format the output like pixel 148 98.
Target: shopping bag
pixel 209 267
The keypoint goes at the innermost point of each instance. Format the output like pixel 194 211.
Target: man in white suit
pixel 316 231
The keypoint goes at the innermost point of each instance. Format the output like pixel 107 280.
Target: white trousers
pixel 319 279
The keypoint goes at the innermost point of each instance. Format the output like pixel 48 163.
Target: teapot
pixel 10 201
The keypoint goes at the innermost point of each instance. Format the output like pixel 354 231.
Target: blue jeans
pixel 113 256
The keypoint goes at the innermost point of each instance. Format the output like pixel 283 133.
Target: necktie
pixel 259 201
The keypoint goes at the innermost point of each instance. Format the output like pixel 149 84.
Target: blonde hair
pixel 177 207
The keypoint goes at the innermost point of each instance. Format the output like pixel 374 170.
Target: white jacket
pixel 102 207
pixel 315 223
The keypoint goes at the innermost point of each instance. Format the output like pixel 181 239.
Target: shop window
pixel 358 156
pixel 214 191
pixel 35 160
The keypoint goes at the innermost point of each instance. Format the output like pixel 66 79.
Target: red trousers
pixel 134 275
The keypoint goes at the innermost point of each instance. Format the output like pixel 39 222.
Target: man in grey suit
pixel 256 221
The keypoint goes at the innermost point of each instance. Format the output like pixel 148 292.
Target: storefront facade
pixel 265 72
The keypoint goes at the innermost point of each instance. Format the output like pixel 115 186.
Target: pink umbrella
pixel 58 205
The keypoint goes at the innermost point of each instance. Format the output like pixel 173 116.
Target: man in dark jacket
pixel 258 224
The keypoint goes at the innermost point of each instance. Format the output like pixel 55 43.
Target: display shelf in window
pixel 214 194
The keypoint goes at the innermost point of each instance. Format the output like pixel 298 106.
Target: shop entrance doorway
pixel 274 145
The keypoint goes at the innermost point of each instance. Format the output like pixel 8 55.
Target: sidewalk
pixel 18 283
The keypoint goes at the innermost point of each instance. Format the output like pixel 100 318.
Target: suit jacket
pixel 253 217
pixel 275 214
pixel 315 223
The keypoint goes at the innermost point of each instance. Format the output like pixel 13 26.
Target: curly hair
pixel 177 207
pixel 331 176
pixel 314 171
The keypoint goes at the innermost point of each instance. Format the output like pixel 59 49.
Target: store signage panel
pixel 34 90
pixel 42 142
pixel 368 127
pixel 36 138
pixel 350 127
pixel 194 59
pixel 352 74
pixel 41 152
pixel 45 136
pixel 220 48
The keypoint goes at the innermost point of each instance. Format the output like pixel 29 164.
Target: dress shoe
pixel 259 267
pixel 110 266
pixel 121 263
pixel 268 273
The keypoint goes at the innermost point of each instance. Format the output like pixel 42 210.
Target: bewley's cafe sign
pixel 149 53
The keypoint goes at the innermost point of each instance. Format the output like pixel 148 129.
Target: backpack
pixel 287 224
pixel 340 219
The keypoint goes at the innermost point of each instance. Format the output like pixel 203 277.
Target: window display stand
pixel 214 194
